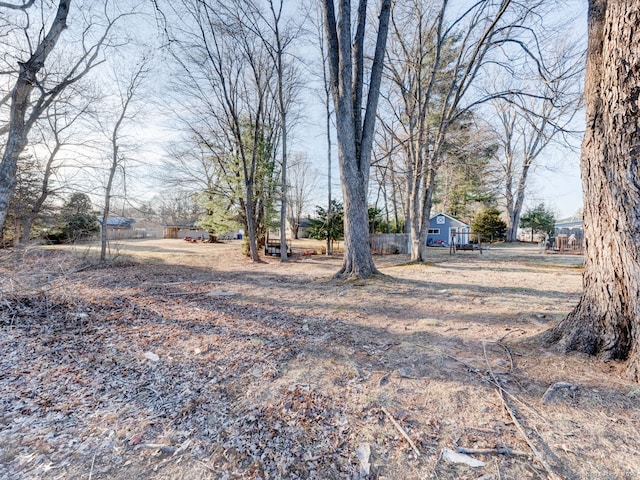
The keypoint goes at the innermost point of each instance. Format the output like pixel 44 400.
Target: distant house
pixel 441 228
pixel 569 226
pixel 118 227
pixel 303 228
pixel 568 236
pixel 182 231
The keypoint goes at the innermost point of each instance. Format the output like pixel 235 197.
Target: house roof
pixel 305 223
pixel 453 219
pixel 570 223
pixel 118 222
pixel 182 226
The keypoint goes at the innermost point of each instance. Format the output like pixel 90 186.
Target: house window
pixel 440 220
pixel 434 231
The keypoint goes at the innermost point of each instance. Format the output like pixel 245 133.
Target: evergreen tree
pixel 489 225
pixel 323 226
pixel 539 219
pixel 78 219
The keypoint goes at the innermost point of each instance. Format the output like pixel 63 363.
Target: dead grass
pixel 277 371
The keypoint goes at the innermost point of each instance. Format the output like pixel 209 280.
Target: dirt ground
pixel 186 361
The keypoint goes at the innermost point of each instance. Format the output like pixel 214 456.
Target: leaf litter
pixel 171 369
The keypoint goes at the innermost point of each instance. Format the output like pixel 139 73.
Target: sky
pixel 559 186
pixel 555 181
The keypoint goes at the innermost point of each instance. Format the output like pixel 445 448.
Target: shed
pixel 118 227
pixel 185 230
pixel 441 228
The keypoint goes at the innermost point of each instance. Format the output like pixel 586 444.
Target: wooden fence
pixel 389 243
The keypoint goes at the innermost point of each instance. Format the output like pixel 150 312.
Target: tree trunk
pixel 9 166
pixel 354 134
pixel 44 195
pixel 606 320
pixel 251 223
pixel 328 125
pixel 20 101
pixel 282 108
pixel 515 203
pixel 107 198
pixel 27 224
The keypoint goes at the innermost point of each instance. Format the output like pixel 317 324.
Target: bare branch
pixel 12 6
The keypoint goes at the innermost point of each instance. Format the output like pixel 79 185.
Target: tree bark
pixel 20 101
pixel 354 133
pixel 606 320
pixel 327 105
pixel 27 222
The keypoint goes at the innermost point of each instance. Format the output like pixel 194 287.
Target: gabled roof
pixel 183 225
pixel 453 219
pixel 305 223
pixel 569 223
pixel 118 222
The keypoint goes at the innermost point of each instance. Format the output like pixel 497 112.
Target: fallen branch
pixel 500 392
pixel 154 445
pixel 490 451
pixel 523 432
pixel 211 469
pixel 506 349
pixel 93 461
pixel 401 430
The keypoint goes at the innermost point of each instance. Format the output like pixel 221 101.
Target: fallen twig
pixel 500 392
pixel 495 451
pixel 153 445
pixel 93 461
pixel 506 349
pixel 523 432
pixel 211 469
pixel 401 430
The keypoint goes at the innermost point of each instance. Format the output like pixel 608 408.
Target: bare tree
pixel 529 121
pixel 128 87
pixel 606 321
pixel 31 92
pixel 55 131
pixel 435 56
pixel 199 167
pixel 278 53
pixel 278 32
pixel 299 190
pixel 326 90
pixel 354 132
pixel 226 68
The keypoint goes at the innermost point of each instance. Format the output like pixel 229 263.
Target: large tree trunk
pixel 606 320
pixel 422 200
pixel 19 126
pixel 514 211
pixel 355 134
pixel 251 221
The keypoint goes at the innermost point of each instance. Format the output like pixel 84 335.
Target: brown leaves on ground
pixel 187 361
